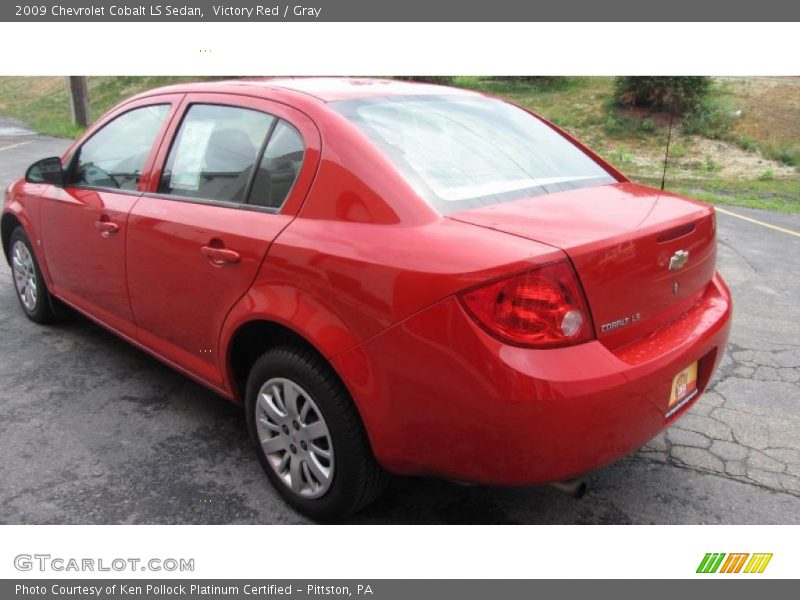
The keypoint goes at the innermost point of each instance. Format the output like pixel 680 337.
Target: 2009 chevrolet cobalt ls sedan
pixel 390 277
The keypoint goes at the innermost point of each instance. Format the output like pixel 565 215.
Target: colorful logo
pixel 734 563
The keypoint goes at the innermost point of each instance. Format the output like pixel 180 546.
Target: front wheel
pixel 309 436
pixel 31 290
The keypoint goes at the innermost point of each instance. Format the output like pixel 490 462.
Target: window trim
pixel 97 188
pixel 257 163
pixel 72 162
pixel 245 203
pixel 210 202
pixel 268 139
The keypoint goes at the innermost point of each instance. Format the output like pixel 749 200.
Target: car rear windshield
pixel 467 152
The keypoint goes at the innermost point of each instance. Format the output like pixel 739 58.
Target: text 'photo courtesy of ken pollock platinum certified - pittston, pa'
pixel 191 589
pixel 174 10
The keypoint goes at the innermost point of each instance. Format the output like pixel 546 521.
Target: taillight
pixel 544 307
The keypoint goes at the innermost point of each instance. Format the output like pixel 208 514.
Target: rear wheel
pixel 309 436
pixel 31 290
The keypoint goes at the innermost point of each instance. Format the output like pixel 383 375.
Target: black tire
pixel 357 478
pixel 42 311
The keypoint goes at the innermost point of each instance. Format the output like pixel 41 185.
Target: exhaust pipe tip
pixel 573 487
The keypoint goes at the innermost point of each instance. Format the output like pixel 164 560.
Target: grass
pixel 42 103
pixel 573 103
pixel 765 194
pixel 742 150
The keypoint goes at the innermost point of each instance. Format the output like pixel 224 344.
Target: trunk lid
pixel 621 238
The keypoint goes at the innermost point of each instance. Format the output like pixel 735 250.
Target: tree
pixel 678 95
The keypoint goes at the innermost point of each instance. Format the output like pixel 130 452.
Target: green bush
pixel 615 123
pixel 788 154
pixel 677 150
pixel 712 119
pixel 709 165
pixel 672 94
pixel 746 143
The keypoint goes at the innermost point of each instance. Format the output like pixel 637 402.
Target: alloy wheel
pixel 294 437
pixel 24 275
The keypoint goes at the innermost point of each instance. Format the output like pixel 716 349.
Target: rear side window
pixel 279 167
pixel 214 152
pixel 115 156
pixel 462 152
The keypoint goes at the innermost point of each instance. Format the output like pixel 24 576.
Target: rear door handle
pixel 220 255
pixel 106 227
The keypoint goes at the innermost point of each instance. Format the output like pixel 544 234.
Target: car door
pixel 84 224
pixel 229 177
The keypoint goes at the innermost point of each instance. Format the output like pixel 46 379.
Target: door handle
pixel 106 227
pixel 220 255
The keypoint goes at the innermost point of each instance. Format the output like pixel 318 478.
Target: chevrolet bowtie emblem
pixel 678 260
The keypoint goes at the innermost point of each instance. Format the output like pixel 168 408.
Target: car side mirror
pixel 47 170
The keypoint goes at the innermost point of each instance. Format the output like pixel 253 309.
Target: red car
pixel 389 276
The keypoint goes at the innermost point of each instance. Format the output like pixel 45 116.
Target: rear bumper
pixel 441 397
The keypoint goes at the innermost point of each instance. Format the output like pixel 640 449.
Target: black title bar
pixel 390 589
pixel 403 11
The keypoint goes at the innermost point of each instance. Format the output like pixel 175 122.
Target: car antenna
pixel 666 154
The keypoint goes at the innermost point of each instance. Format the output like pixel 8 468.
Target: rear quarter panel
pixel 337 284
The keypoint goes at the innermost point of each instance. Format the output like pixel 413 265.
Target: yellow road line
pixel 13 146
pixel 757 222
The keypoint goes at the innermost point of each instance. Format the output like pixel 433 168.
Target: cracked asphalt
pixel 94 431
pixel 747 425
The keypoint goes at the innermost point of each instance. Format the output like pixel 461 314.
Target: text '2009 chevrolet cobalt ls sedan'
pixel 390 277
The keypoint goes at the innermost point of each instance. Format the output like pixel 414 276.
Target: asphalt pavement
pixel 94 431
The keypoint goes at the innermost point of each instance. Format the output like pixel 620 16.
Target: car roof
pixel 324 89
